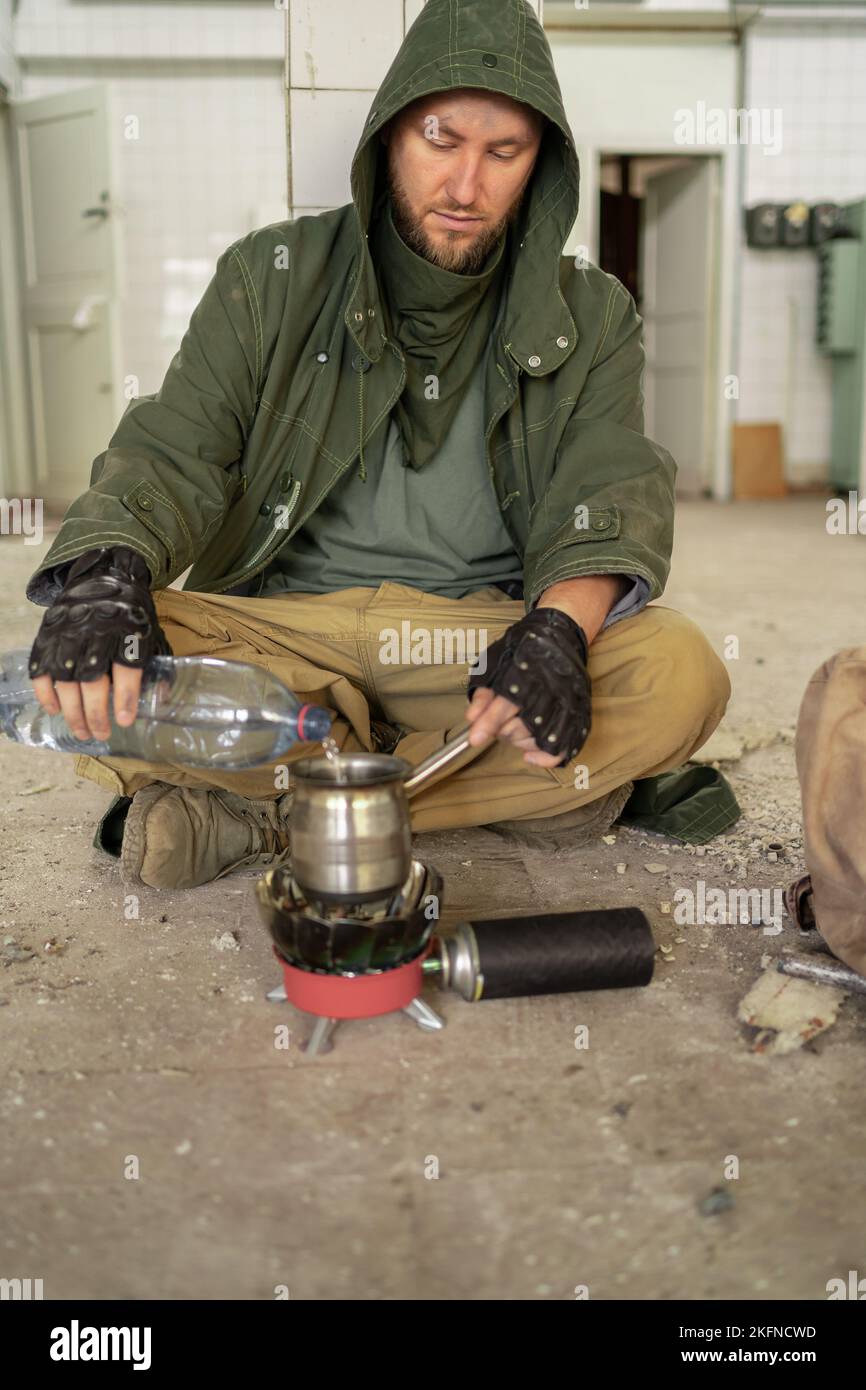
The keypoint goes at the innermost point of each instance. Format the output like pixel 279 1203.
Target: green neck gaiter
pixel 442 321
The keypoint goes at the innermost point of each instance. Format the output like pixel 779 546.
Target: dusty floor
pixel 557 1167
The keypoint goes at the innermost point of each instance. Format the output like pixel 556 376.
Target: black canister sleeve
pixel 564 952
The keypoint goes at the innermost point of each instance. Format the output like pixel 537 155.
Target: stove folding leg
pixel 424 1016
pixel 320 1040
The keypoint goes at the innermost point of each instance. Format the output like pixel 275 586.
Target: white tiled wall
pixel 325 130
pixel 336 66
pixel 816 74
pixel 339 46
pixel 194 30
pixel 210 160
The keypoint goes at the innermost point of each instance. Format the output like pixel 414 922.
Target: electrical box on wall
pixel 826 220
pixel 763 225
pixel 838 263
pixel 841 336
pixel 794 224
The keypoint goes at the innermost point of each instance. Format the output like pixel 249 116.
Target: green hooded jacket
pixel 286 371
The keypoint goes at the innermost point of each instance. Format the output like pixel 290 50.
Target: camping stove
pixel 352 960
pixel 360 960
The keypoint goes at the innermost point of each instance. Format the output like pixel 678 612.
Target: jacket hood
pixel 500 46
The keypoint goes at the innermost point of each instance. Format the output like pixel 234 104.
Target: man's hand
pixel 496 717
pixel 100 632
pixel 536 691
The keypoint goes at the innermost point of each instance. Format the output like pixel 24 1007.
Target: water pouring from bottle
pixel 332 753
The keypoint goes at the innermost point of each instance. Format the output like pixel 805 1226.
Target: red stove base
pixel 329 998
pixel 354 996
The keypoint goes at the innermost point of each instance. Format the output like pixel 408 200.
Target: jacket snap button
pixel 600 525
pixel 489 60
pixel 321 357
pixel 360 362
pixel 562 342
pixel 285 482
pixel 145 504
pixel 535 361
pixel 265 509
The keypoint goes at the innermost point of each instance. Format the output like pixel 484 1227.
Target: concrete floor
pixel 557 1167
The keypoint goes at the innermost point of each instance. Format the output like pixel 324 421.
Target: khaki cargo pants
pixel 400 655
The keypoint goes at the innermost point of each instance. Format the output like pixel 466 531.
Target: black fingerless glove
pixel 540 665
pixel 104 614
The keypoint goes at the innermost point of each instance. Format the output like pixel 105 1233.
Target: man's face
pixel 458 165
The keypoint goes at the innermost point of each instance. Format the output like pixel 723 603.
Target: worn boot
pixel 569 830
pixel 180 837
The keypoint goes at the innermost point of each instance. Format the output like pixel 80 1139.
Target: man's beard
pixel 452 254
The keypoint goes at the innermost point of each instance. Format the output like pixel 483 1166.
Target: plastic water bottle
pixel 194 710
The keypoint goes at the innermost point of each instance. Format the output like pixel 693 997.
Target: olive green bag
pixel 691 804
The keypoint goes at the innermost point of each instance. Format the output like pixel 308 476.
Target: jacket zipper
pixel 251 570
pixel 524 453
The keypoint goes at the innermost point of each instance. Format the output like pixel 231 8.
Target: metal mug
pixel 351 838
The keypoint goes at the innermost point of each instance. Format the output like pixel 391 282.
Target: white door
pixel 68 240
pixel 678 259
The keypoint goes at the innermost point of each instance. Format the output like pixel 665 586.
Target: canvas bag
pixel 831 765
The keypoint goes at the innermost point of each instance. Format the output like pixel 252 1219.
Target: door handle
pixel 102 210
pixel 82 319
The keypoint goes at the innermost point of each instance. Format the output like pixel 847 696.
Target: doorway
pixel 658 233
pixel 58 292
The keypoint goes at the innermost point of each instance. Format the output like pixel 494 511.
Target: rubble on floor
pixel 781 1013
